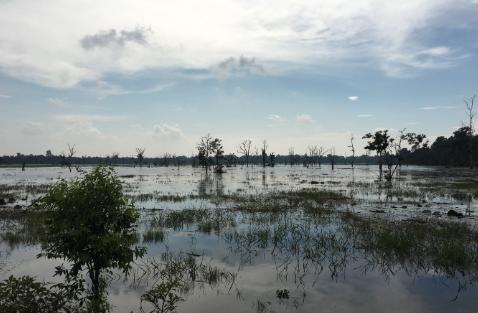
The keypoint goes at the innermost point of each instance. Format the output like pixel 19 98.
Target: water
pixel 331 276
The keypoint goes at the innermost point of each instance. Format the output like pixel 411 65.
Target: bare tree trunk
pixel 470 111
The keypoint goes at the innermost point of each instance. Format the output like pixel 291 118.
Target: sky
pixel 113 75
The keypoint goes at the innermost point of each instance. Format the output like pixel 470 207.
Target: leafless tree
pixel 352 149
pixel 245 149
pixel 313 153
pixel 69 156
pixel 264 153
pixel 331 157
pixel 166 159
pixel 291 156
pixel 256 154
pixel 320 154
pixel 140 155
pixel 471 113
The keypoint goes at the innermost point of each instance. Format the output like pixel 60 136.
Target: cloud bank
pixel 82 42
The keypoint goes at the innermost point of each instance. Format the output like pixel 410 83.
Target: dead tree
pixel 256 154
pixel 140 155
pixel 245 150
pixel 352 149
pixel 291 156
pixel 264 153
pixel 71 153
pixel 470 112
pixel 313 153
pixel 332 157
pixel 320 154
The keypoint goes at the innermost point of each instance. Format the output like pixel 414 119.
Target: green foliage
pixel 391 148
pixel 378 142
pixel 451 151
pixel 91 225
pixel 26 295
pixel 163 297
pixel 208 147
pixel 217 149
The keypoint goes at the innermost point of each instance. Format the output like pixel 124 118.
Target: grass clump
pixel 154 236
pixel 444 247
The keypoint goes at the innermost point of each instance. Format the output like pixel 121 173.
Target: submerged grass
pixel 310 199
pixel 446 247
pixel 154 236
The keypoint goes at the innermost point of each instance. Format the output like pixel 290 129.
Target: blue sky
pixel 111 76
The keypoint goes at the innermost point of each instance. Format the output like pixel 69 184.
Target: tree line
pixel 391 152
pixel 445 151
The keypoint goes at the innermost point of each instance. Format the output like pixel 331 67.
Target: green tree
pixel 92 226
pixel 379 143
pixel 208 147
pixel 204 150
pixel 390 149
pixel 26 295
pixel 217 149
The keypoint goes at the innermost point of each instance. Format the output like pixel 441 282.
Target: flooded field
pixel 282 239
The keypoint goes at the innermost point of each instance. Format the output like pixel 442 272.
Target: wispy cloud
pixel 432 108
pixel 276 118
pixel 57 102
pixel 353 98
pixel 104 89
pixel 304 119
pixel 364 115
pixel 75 118
pixel 33 128
pixel 2 96
pixel 168 131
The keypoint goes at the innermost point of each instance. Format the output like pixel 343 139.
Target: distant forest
pixel 451 151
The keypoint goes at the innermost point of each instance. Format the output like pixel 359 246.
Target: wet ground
pixel 283 239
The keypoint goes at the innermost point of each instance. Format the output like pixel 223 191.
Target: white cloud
pixel 104 89
pixel 436 51
pixel 432 108
pixel 57 102
pixel 33 128
pixel 304 119
pixel 92 43
pixel 83 128
pixel 154 89
pixel 353 98
pixel 364 115
pixel 5 96
pixel 276 118
pixel 168 131
pixel 75 118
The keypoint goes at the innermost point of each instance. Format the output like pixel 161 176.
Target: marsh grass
pixel 303 232
pixel 446 248
pixel 310 199
pixel 21 228
pixel 154 235
pixel 205 220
